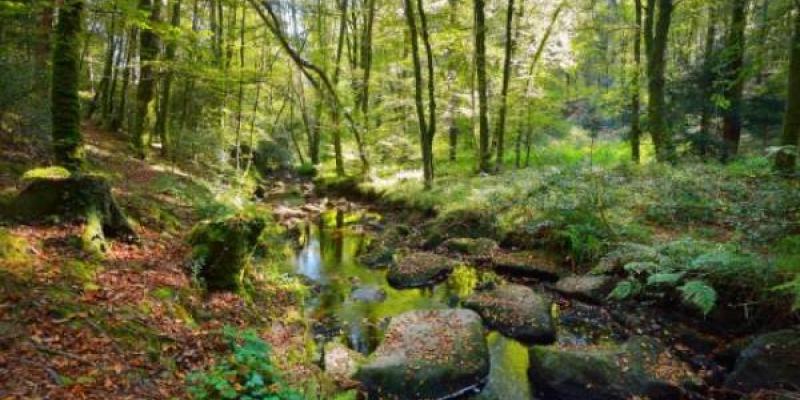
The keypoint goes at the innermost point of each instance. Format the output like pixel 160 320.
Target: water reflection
pixel 328 257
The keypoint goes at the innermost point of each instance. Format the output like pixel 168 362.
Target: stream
pixel 352 303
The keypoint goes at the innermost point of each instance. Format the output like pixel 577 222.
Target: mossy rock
pixel 530 264
pixel 461 224
pixel 420 269
pixel 221 249
pixel 378 256
pixel 591 288
pixel 516 311
pixel 639 368
pixel 770 362
pixel 428 355
pixel 480 248
pixel 70 198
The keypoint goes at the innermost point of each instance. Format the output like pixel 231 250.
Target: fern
pixel 625 290
pixel 665 278
pixel 700 295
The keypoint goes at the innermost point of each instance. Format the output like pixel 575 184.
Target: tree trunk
pixel 148 53
pixel 121 111
pixel 732 117
pixel 787 158
pixel 509 52
pixel 66 114
pixel 707 83
pixel 108 64
pixel 166 87
pixel 656 39
pixel 431 128
pixel 411 21
pixel 636 130
pixel 483 106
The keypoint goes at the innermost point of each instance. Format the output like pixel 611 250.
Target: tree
pixel 636 129
pixel 656 31
pixel 427 125
pixel 480 66
pixel 67 140
pixel 734 77
pixel 509 52
pixel 148 53
pixel 787 158
pixel 166 83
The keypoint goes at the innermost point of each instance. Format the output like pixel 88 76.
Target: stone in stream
pixel 419 269
pixel 378 256
pixel 770 361
pixel 368 294
pixel 516 311
pixel 639 368
pixel 341 363
pixel 532 264
pixel 481 248
pixel 591 288
pixel 428 355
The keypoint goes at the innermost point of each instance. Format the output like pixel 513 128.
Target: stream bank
pixel 342 250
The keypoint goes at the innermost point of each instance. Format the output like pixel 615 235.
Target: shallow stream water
pixel 327 256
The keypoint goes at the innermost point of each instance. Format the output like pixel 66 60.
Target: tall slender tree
pixel 734 79
pixel 67 140
pixel 148 53
pixel 636 129
pixel 509 53
pixel 480 67
pixel 657 25
pixel 786 158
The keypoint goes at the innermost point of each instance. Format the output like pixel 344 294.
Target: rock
pixel 341 363
pixel 222 249
pixel 516 311
pixel 368 294
pixel 591 288
pixel 481 248
pixel 419 269
pixel 640 368
pixel 460 224
pixel 378 257
pixel 532 264
pixel 770 361
pixel 528 237
pixel 428 355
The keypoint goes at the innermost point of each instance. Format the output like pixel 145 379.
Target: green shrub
pixel 700 274
pixel 247 373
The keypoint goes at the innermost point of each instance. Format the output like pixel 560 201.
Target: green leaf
pixel 700 295
pixel 665 278
pixel 625 290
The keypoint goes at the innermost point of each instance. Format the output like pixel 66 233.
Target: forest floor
pixel 130 324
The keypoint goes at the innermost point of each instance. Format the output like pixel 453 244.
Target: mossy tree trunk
pixel 67 141
pixel 636 129
pixel 480 66
pixel 656 37
pixel 787 158
pixel 148 52
pixel 732 118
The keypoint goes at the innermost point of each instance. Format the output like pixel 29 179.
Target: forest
pixel 415 199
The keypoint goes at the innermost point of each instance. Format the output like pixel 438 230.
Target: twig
pixel 45 349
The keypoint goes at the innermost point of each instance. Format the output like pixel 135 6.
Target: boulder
pixel 419 269
pixel 516 311
pixel 540 234
pixel 341 363
pixel 591 288
pixel 639 368
pixel 770 361
pixel 428 355
pixel 480 248
pixel 531 264
pixel 378 256
pixel 221 249
pixel 460 224
pixel 368 294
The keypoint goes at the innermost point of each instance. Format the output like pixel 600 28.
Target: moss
pixel 163 293
pixel 222 248
pixel 13 249
pixel 82 271
pixel 54 172
pixel 67 140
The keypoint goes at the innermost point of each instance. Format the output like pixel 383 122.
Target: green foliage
pixel 247 373
pixel 13 249
pixel 700 272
